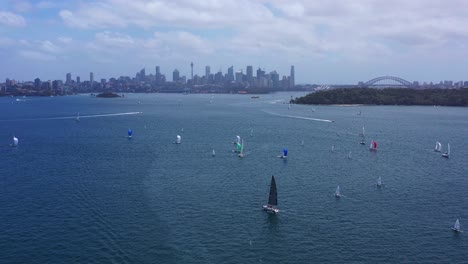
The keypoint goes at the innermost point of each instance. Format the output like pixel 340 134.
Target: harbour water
pixel 81 192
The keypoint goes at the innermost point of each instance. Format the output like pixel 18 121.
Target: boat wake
pixel 300 117
pixel 74 117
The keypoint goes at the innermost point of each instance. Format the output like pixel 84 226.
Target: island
pixel 107 95
pixel 388 96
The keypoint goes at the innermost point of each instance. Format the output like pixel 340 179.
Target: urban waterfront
pixel 81 192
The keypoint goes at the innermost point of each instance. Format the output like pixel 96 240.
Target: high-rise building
pixel 274 79
pixel 207 72
pixel 239 76
pixel 292 81
pixel 191 68
pixel 91 77
pixel 175 75
pixel 68 78
pixel 230 74
pixel 249 73
pixel 260 73
pixel 37 83
pixel 78 80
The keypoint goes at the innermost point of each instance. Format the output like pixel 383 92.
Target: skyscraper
pixel 91 77
pixel 68 78
pixel 158 71
pixel 292 81
pixel 175 75
pixel 230 74
pixel 207 72
pixel 78 80
pixel 191 66
pixel 249 74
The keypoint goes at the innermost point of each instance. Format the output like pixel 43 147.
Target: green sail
pixel 239 147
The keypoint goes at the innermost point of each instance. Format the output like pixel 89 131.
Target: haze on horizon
pixel 328 41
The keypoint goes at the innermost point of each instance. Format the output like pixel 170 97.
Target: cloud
pixel 11 19
pixel 22 6
pixel 36 55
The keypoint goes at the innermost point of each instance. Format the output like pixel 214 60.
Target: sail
pixel 239 147
pixel 242 147
pixel 379 181
pixel 285 152
pixel 456 226
pixel 213 152
pixel 238 139
pixel 130 132
pixel 375 144
pixel 337 192
pixel 363 132
pixel 15 141
pixel 448 149
pixel 179 138
pixel 273 197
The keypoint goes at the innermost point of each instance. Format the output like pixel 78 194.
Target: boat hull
pixel 270 209
pixel 457 230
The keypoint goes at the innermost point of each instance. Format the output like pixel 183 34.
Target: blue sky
pixel 328 41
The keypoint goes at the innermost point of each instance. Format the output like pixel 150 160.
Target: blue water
pixel 81 192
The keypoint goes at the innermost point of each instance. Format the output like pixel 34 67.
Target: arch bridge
pixel 387 81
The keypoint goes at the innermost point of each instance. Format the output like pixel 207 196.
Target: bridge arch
pixel 402 82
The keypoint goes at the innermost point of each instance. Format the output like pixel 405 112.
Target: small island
pixel 388 96
pixel 107 95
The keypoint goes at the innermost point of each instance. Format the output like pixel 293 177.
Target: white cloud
pixel 22 6
pixel 11 19
pixel 36 55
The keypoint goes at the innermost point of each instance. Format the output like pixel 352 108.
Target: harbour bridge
pixel 386 81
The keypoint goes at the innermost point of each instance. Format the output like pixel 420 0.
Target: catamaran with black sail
pixel 272 206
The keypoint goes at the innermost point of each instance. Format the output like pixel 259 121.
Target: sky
pixel 328 41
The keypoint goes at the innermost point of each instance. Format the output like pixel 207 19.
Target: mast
pixel 273 197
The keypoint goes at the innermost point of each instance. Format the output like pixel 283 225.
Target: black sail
pixel 273 198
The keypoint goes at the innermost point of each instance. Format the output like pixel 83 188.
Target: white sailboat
pixel 438 147
pixel 349 155
pixel 338 192
pixel 272 206
pixel 456 227
pixel 213 153
pixel 78 117
pixel 237 141
pixel 15 142
pixel 241 152
pixel 447 154
pixel 379 182
pixel 363 135
pixel 178 139
pixel 333 148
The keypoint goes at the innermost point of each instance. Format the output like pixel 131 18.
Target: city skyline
pixel 329 42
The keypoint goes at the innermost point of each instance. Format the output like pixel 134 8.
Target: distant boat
pixel 338 192
pixel 456 227
pixel 129 133
pixel 447 154
pixel 285 154
pixel 178 139
pixel 438 147
pixel 289 106
pixel 272 206
pixel 251 132
pixel 333 148
pixel 349 155
pixel 379 182
pixel 363 135
pixel 213 153
pixel 15 142
pixel 373 145
pixel 359 113
pixel 241 152
pixel 302 143
pixel 78 117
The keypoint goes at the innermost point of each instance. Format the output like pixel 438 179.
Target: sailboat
pixel 456 227
pixel 438 147
pixel 241 152
pixel 338 192
pixel 272 206
pixel 15 142
pixel 379 182
pixel 78 117
pixel 447 154
pixel 178 139
pixel 359 113
pixel 373 145
pixel 333 148
pixel 363 141
pixel 213 153
pixel 349 155
pixel 285 154
pixel 129 133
